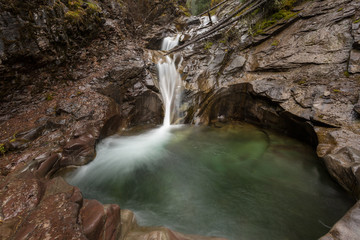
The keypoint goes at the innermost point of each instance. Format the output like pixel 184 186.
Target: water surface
pixel 237 181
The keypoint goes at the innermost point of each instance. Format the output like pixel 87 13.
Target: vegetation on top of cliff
pixel 82 11
pixel 273 12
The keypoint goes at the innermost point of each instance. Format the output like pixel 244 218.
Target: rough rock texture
pixel 299 76
pixel 131 231
pixel 67 85
pixel 347 227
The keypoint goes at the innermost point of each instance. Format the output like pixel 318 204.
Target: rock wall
pixel 65 86
pixel 297 74
pixel 304 70
pixel 68 82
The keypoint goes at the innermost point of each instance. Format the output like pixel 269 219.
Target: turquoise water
pixel 237 181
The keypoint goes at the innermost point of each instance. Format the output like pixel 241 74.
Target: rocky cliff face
pixel 297 73
pixel 71 73
pixel 74 72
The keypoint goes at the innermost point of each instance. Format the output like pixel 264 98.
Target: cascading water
pixel 235 181
pixel 170 81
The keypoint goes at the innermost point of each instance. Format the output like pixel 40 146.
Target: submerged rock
pixel 67 85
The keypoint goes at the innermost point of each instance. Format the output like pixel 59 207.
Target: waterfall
pixel 170 81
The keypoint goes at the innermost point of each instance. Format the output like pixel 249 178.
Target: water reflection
pixel 237 181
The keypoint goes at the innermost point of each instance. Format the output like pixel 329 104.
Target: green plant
pixel 184 10
pixel 288 4
pixel 80 10
pixel 336 90
pixel 49 97
pixel 13 139
pixel 255 12
pixel 347 74
pixel 92 7
pixel 280 15
pixel 276 10
pixel 275 43
pixel 340 9
pixel 2 149
pixel 357 21
pixel 283 14
pixel 208 45
pixel 223 41
pixel 301 82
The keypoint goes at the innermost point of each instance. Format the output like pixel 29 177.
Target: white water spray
pixel 123 155
pixel 170 81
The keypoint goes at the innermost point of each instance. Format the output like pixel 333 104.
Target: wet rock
pixel 78 151
pixel 19 197
pixel 64 201
pixel 61 223
pixel 112 228
pixel 289 85
pixel 128 222
pixel 339 149
pixel 93 218
pixel 7 228
pixel 192 21
pixel 235 65
pixel 346 227
pixel 99 221
pixel 131 231
pixel 148 109
pixel 47 165
pixel 126 70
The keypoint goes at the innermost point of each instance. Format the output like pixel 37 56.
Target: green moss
pixel 301 82
pixel 283 12
pixel 208 45
pixel 288 4
pixel 81 11
pixel 275 43
pixel 223 41
pixel 340 9
pixel 74 16
pixel 184 10
pixel 347 74
pixel 92 8
pixel 260 26
pixel 49 97
pixel 336 90
pixel 75 4
pixel 357 21
pixel 2 149
pixel 255 12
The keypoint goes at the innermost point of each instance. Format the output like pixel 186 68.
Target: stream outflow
pixel 234 182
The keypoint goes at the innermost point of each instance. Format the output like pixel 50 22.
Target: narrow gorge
pixel 242 122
